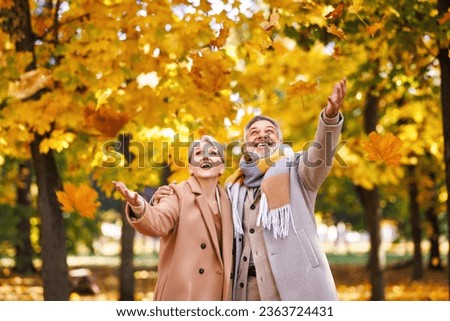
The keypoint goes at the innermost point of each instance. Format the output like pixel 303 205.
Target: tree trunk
pixel 371 202
pixel 24 250
pixel 54 252
pixel 444 61
pixel 54 266
pixel 435 261
pixel 126 270
pixel 416 230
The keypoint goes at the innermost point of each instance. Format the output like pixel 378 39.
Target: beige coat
pixel 191 267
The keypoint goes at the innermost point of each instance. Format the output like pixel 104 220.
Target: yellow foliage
pixel 384 148
pixel 58 140
pixel 81 199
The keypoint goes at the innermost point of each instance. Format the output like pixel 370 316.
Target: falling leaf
pixel 337 53
pixel 384 148
pixel 334 30
pixel 210 71
pixel 6 4
pixel 445 18
pixel 356 7
pixel 302 88
pixel 81 199
pixel 107 121
pixel 30 83
pixel 220 41
pixel 102 97
pixel 336 13
pixel 272 22
pixel 372 29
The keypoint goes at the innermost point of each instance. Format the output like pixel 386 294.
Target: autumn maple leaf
pixel 81 199
pixel 384 148
pixel 221 40
pixel 336 13
pixel 335 30
pixel 272 22
pixel 105 120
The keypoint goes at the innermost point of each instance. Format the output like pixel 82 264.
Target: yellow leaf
pixel 384 148
pixel 102 97
pixel 302 88
pixel 356 7
pixel 272 22
pixel 336 13
pixel 82 199
pixel 334 30
pixel 210 71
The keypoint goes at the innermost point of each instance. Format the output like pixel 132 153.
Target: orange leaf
pixel 334 30
pixel 445 18
pixel 272 22
pixel 372 29
pixel 336 13
pixel 105 120
pixel 384 148
pixel 81 199
pixel 222 38
pixel 337 53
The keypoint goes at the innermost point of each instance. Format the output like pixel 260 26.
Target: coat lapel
pixel 202 204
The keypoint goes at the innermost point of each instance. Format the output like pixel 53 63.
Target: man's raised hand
pixel 336 99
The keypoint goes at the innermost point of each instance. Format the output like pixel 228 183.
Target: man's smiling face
pixel 261 139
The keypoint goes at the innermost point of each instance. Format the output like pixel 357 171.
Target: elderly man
pixel 278 255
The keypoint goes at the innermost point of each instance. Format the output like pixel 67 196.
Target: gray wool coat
pixel 298 262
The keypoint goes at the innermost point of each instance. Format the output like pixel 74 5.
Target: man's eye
pixel 197 153
pixel 214 153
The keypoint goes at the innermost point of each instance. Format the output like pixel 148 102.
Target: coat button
pixel 231 275
pixel 252 207
pixel 244 258
pixel 252 230
pixel 241 284
pixel 203 245
pixel 201 271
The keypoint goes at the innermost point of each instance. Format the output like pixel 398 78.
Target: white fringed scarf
pixel 275 210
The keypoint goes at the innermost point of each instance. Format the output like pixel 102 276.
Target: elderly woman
pixel 195 227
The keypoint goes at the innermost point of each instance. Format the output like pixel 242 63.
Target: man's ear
pixel 190 169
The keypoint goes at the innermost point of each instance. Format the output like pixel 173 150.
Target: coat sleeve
pixel 316 162
pixel 157 220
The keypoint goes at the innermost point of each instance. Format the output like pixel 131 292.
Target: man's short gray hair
pixel 259 118
pixel 206 139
